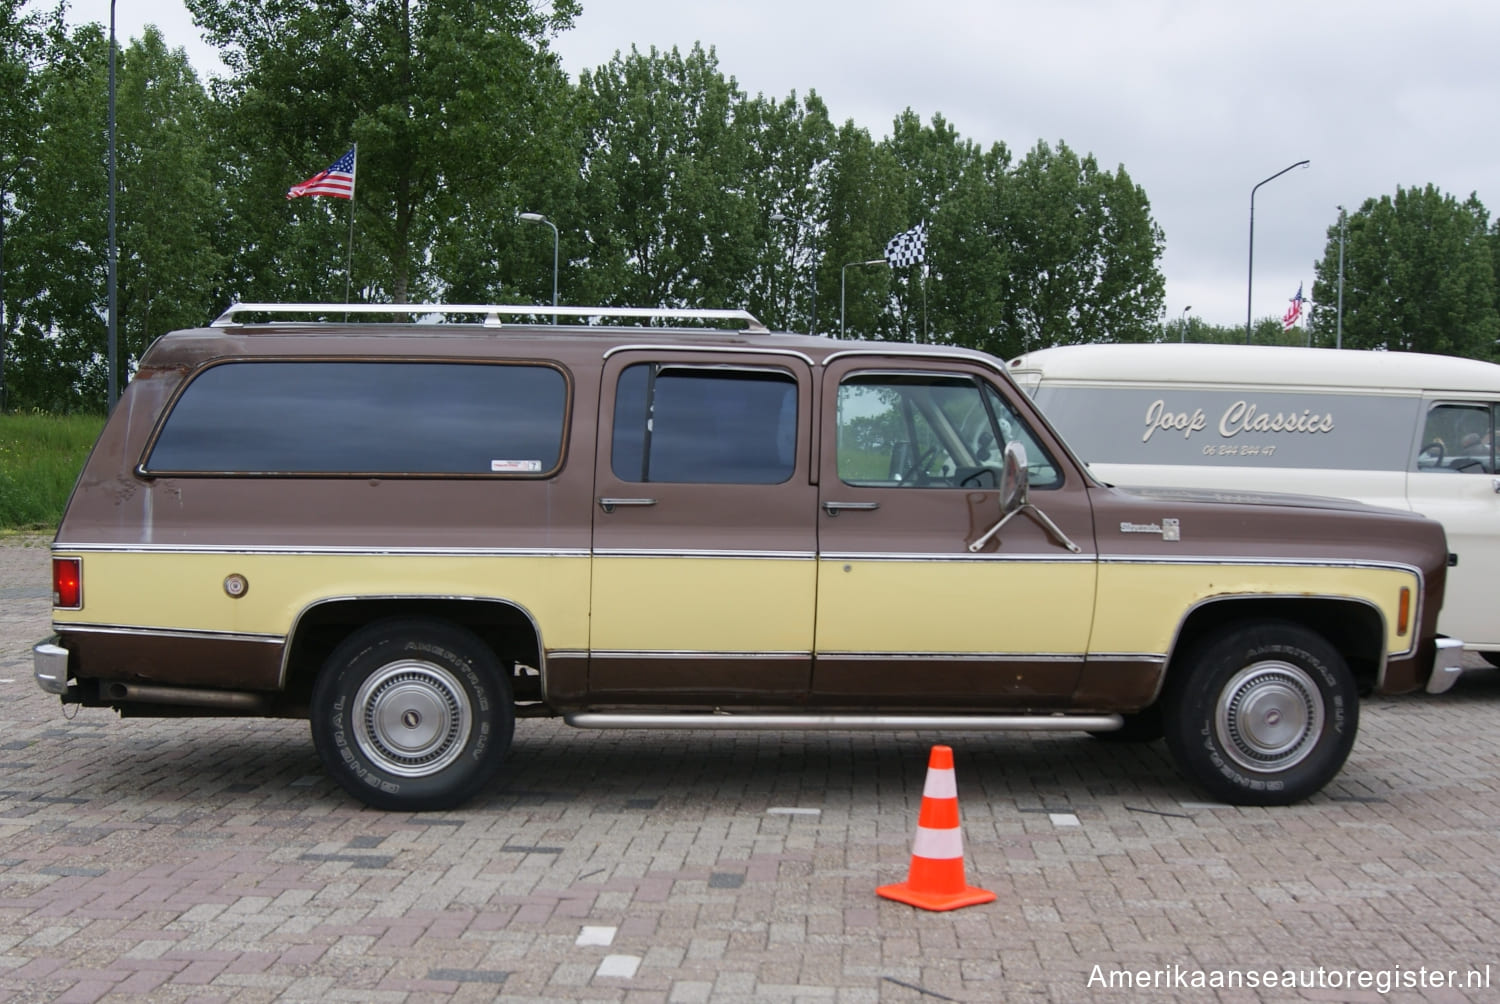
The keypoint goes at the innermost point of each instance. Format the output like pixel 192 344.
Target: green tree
pixel 1084 253
pixel 453 105
pixel 1418 277
pixel 789 150
pixel 27 39
pixel 668 212
pixel 166 208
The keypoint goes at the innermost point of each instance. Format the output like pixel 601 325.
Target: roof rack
pixel 492 312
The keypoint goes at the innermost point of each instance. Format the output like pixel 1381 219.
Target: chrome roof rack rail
pixel 491 312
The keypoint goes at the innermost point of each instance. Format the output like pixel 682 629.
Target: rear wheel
pixel 412 715
pixel 1262 714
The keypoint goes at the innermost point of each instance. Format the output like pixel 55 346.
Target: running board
pixel 855 722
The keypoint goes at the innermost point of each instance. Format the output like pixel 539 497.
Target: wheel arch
pixel 506 627
pixel 1354 627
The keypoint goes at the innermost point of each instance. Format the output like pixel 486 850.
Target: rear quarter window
pixel 365 418
pixel 1238 427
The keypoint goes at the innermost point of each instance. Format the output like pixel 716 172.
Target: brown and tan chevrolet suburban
pixel 413 534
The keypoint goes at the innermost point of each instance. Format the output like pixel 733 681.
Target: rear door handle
pixel 834 508
pixel 608 505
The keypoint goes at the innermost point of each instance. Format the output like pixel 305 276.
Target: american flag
pixel 908 247
pixel 1289 319
pixel 337 181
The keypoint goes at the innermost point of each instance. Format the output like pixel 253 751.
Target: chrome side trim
pixel 693 654
pixel 333 550
pixel 848 656
pixel 855 722
pixel 651 552
pixel 164 632
pixel 1447 665
pixel 943 556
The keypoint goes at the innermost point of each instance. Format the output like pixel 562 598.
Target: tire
pixel 412 716
pixel 1493 658
pixel 1262 714
pixel 1142 727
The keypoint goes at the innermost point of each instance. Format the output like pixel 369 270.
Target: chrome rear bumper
pixel 49 662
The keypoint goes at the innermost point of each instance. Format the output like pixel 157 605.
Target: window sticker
pixel 515 466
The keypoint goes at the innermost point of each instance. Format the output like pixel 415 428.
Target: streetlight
pixel 843 273
pixel 539 218
pixel 812 323
pixel 1250 282
pixel 1339 321
pixel 1184 322
pixel 23 163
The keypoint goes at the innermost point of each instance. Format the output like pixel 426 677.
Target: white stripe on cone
pixel 940 784
pixel 938 845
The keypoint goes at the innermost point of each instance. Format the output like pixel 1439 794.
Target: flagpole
pixel 349 266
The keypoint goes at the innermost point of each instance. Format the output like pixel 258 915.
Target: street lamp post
pixel 843 277
pixel 1339 317
pixel 24 162
pixel 112 287
pixel 1250 281
pixel 539 218
pixel 1185 322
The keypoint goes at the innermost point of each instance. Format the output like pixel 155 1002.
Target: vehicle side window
pixel 930 431
pixel 1458 438
pixel 365 417
pixel 704 425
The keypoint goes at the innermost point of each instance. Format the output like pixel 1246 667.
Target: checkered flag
pixel 908 248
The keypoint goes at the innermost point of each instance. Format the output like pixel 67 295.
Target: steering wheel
pixel 1434 445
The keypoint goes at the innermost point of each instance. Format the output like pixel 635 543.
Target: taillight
pixel 1403 615
pixel 67 583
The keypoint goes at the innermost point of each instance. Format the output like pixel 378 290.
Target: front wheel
pixel 1262 714
pixel 412 716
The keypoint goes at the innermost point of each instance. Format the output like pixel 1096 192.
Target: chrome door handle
pixel 834 508
pixel 608 505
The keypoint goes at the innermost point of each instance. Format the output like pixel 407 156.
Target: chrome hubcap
pixel 1269 717
pixel 412 718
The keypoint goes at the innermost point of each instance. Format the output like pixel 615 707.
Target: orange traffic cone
pixel 936 881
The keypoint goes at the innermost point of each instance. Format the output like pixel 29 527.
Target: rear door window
pixel 704 425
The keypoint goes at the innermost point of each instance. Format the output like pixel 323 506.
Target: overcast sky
pixel 1198 101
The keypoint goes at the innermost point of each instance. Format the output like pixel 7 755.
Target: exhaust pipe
pixel 241 701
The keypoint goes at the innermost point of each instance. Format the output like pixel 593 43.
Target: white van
pixel 1390 428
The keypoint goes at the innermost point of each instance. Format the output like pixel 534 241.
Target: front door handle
pixel 608 505
pixel 834 508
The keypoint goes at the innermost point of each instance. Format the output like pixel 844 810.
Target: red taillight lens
pixel 1403 616
pixel 67 583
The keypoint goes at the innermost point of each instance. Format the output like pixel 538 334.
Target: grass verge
pixel 40 457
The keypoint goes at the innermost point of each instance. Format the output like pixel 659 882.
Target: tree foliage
pixel 1419 276
pixel 668 186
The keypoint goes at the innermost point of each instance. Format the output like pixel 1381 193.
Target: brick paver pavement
pixel 211 860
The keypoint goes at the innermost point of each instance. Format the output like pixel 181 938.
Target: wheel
pixel 412 715
pixel 1262 714
pixel 1493 658
pixel 1141 727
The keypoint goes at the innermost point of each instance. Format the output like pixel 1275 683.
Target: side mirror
pixel 1014 482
